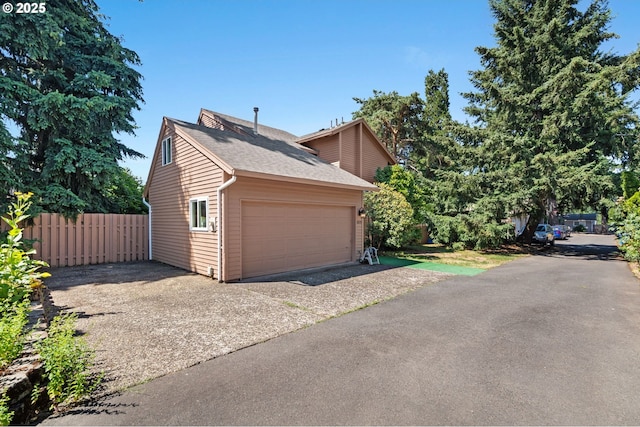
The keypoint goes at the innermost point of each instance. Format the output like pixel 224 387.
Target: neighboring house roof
pixel 332 131
pixel 270 154
pixel 581 216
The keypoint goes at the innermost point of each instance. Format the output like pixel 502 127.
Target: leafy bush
pixel 18 272
pixel 5 415
pixel 409 184
pixel 468 232
pixel 66 358
pixel 390 218
pixel 625 222
pixel 629 183
pixel 629 237
pixel 67 362
pixel 12 334
pixel 19 275
pixel 444 229
pixel 580 228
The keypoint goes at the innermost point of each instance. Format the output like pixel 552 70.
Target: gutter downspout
pixel 150 246
pixel 219 229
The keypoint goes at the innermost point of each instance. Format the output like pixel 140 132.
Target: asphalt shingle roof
pixel 272 153
pixel 247 127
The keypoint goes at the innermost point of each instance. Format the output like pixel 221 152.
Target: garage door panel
pixel 283 237
pixel 267 212
pixel 299 228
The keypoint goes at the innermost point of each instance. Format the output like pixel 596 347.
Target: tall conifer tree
pixel 68 86
pixel 396 119
pixel 552 111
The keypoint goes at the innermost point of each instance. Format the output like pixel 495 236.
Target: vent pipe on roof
pixel 255 120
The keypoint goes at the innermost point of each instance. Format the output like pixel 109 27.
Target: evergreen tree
pixel 550 109
pixel 436 154
pixel 432 151
pixel 68 86
pixel 124 195
pixel 396 119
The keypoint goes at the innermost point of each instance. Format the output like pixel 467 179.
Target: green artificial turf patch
pixel 433 266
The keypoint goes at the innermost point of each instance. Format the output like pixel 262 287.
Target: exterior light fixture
pixel 362 212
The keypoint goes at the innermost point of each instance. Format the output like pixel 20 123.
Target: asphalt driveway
pixel 547 339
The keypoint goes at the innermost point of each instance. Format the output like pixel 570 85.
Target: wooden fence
pixel 91 239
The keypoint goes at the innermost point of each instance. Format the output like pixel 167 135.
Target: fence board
pixel 91 239
pixel 78 255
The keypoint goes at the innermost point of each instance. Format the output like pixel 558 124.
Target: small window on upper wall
pixel 166 151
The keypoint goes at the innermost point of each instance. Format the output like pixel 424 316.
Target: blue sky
pixel 301 61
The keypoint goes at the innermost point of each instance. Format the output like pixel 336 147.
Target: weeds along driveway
pixel 147 319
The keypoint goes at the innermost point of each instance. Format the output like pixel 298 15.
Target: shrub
pixel 12 334
pixel 625 222
pixel 19 275
pixel 390 218
pixel 580 228
pixel 18 272
pixel 409 184
pixel 468 232
pixel 5 415
pixel 67 362
pixel 67 359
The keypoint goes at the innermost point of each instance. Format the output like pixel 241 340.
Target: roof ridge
pixel 329 130
pixel 247 123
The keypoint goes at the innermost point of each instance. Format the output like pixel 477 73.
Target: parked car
pixel 567 230
pixel 544 235
pixel 559 233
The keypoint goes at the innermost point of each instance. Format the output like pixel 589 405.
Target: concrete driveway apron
pixel 549 339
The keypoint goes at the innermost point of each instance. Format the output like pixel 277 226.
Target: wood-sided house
pixel 234 199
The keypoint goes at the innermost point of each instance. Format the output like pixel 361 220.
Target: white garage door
pixel 279 237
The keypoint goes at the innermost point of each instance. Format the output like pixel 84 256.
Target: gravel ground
pixel 147 319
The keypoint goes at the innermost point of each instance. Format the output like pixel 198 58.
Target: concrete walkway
pixel 548 339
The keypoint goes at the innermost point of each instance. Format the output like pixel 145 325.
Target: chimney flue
pixel 255 120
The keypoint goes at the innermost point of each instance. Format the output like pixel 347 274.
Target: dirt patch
pixel 147 319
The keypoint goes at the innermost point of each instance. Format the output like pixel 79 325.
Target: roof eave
pixel 145 190
pixel 329 132
pixel 261 175
pixel 205 151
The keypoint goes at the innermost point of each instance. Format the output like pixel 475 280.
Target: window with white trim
pixel 199 214
pixel 166 151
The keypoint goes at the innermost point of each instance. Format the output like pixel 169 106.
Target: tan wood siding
pixel 208 121
pixel 373 157
pixel 328 148
pixel 190 175
pixel 256 191
pixel 212 121
pixel 354 149
pixel 350 155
